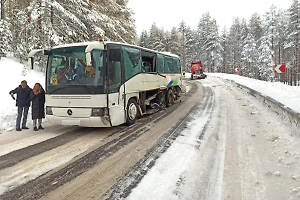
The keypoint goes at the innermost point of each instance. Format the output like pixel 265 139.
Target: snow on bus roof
pixel 111 42
pixel 96 42
pixel 146 49
pixel 74 44
pixel 169 53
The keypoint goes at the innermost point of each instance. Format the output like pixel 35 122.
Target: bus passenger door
pixel 115 87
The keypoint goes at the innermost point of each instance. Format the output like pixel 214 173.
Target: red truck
pixel 196 70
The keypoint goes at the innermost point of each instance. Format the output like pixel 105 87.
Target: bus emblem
pixel 69 112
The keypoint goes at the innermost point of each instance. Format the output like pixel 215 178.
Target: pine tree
pixel 5 38
pixel 46 23
pixel 182 31
pixel 265 59
pixel 250 58
pixel 294 33
pixel 144 39
pixel 235 44
pixel 174 41
pixel 225 52
pixel 209 43
pixel 256 27
pixel 190 47
pixel 156 37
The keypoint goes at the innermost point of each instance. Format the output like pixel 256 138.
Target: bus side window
pixel 160 64
pixel 132 61
pixel 176 65
pixel 168 64
pixel 114 73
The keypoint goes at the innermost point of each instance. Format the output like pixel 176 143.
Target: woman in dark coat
pixel 38 106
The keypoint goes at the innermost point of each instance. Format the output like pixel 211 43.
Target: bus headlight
pixel 49 110
pixel 99 112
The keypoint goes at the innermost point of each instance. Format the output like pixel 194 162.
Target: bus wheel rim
pixel 132 111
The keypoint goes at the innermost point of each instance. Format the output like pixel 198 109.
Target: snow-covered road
pixel 247 152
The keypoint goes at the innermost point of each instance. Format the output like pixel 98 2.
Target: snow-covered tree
pixel 250 55
pixel 271 21
pixel 294 36
pixel 45 23
pixel 191 48
pixel 182 30
pixel 174 41
pixel 256 27
pixel 234 46
pixel 144 39
pixel 265 60
pixel 5 37
pixel 156 38
pixel 225 52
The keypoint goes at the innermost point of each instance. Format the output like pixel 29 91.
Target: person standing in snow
pixel 22 102
pixel 37 97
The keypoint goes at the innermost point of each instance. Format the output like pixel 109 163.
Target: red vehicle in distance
pixel 197 71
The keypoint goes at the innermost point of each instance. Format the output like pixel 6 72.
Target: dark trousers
pixel 22 111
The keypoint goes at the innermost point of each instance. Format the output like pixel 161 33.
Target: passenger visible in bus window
pixel 65 74
pixel 60 71
pixel 70 74
pixel 80 72
pixel 145 67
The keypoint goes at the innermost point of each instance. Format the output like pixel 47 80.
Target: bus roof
pixel 110 42
pixel 74 44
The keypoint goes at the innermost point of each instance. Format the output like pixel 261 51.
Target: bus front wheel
pixel 169 97
pixel 132 112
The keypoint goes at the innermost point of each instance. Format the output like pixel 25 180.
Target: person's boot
pixel 35 128
pixel 18 129
pixel 40 127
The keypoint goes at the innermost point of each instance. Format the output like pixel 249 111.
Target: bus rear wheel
pixel 132 112
pixel 169 98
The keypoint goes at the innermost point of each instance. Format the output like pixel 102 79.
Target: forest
pixel 255 46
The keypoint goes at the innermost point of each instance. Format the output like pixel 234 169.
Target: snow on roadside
pixel 285 94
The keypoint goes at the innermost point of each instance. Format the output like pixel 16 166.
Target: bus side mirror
pixel 30 62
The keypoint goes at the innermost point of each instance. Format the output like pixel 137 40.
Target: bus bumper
pixel 85 122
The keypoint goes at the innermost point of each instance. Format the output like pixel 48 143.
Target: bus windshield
pixel 67 68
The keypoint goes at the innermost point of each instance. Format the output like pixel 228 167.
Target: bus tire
pixel 132 112
pixel 169 97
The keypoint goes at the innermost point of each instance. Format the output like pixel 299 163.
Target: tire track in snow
pixel 12 158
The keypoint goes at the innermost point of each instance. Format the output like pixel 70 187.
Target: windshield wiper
pixel 70 86
pixel 56 89
pixel 88 88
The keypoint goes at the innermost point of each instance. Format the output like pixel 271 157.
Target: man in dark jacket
pixel 22 102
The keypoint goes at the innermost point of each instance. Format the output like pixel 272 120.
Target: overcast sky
pixel 169 13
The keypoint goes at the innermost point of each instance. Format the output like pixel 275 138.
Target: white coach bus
pixel 104 84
